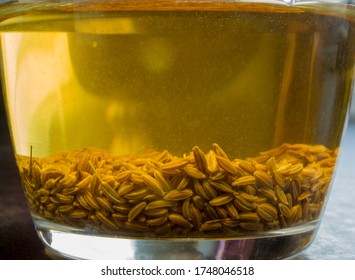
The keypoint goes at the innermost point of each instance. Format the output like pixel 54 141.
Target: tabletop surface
pixel 335 239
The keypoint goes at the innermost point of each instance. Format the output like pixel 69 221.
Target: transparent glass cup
pixel 177 129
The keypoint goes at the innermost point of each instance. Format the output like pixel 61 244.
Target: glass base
pixel 281 244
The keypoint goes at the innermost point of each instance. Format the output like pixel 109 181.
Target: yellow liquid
pixel 128 78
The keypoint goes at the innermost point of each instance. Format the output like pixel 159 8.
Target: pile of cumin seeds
pixel 198 194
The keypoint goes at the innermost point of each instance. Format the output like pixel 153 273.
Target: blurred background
pixel 352 113
pixel 4 134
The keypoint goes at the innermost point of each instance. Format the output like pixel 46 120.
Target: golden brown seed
pixel 279 179
pixel 52 207
pixel 264 179
pixel 123 176
pixel 222 213
pixel 221 186
pixel 210 225
pixel 129 166
pixel 125 188
pixel 136 210
pixel 49 172
pixel 212 164
pixel 66 208
pixel 251 226
pixel 160 204
pixel 289 199
pixel 308 172
pixel 136 226
pixel 186 209
pixel 196 217
pixel 180 220
pixel 48 214
pixel 295 189
pixel 105 220
pixel 221 200
pixel 210 212
pixel 249 197
pixel 194 172
pixel 138 194
pixel 271 163
pixel 250 190
pixel 110 193
pixel 246 166
pixel 198 201
pixel 183 183
pixel 81 199
pixel 230 222
pixel 151 197
pixel 317 186
pixel 54 200
pixel 153 222
pixel 244 181
pixel 316 196
pixel 226 165
pixel 295 215
pixel 136 178
pixel 43 191
pixel 44 199
pixel 151 183
pixel 174 165
pixel 284 210
pixel 267 212
pixel 120 216
pixel 50 183
pixel 157 212
pixel 219 176
pixel 84 183
pixel 304 196
pixel 70 190
pixel 200 159
pixel 199 189
pixel 83 164
pixel 95 183
pixel 243 205
pixel 261 167
pixel 280 195
pixel 139 161
pixel 163 229
pixel 249 216
pixel 305 210
pixel 122 208
pixel 295 169
pixel 161 180
pixel 176 195
pixel 66 199
pixel 232 211
pixel 314 208
pixel 36 175
pixel 210 191
pixel 283 168
pixel 105 203
pixel 78 214
pixel 268 193
pixel 219 151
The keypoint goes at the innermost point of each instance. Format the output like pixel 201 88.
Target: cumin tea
pixel 197 122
